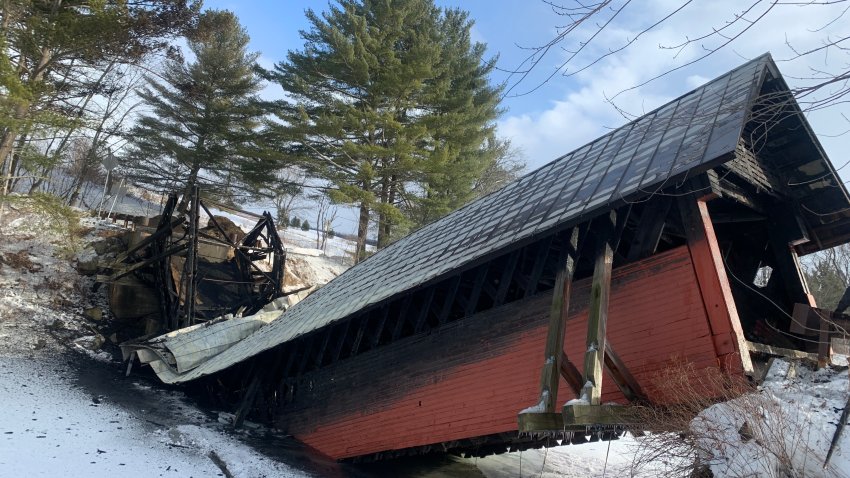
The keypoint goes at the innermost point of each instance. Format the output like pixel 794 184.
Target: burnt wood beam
pixel 597 311
pixel 539 265
pixel 624 380
pixel 454 285
pixel 402 316
pixel 343 335
pixel 553 354
pixel 506 278
pixel 650 228
pixel 475 293
pixel 305 355
pixel 715 290
pixel 375 339
pixel 358 338
pixel 320 354
pixel 247 401
pixel 424 308
pixel 290 360
pixel 785 231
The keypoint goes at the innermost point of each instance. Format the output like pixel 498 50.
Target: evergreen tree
pixel 389 101
pixel 205 115
pixel 305 226
pixel 48 48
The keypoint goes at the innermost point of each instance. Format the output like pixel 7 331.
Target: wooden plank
pixel 320 355
pixel 597 313
pixel 650 228
pixel 624 380
pixel 379 327
pixel 402 316
pixel 540 422
pixel 539 265
pixel 506 277
pixel 571 374
pixel 727 333
pixel 553 354
pixel 358 339
pixel 784 233
pixel 477 286
pixel 341 343
pixel 453 284
pixel 589 415
pixel 824 343
pixel 424 308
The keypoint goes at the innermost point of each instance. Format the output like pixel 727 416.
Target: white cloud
pixel 579 113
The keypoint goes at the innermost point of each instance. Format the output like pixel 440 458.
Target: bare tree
pixel 585 32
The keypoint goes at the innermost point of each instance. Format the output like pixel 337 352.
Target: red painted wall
pixel 471 377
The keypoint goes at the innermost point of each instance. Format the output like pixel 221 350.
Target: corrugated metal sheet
pixel 632 161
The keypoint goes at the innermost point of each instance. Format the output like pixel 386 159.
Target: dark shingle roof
pixel 691 133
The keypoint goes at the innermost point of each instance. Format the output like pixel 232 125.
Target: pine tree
pixel 47 48
pixel 389 101
pixel 203 129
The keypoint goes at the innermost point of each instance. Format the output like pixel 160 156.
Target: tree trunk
pixel 362 230
pixel 383 228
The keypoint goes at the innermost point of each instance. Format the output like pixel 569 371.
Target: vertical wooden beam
pixel 539 265
pixel 379 327
pixel 424 309
pixel 554 356
pixel 454 285
pixel 785 232
pixel 597 312
pixel 727 333
pixel 477 286
pixel 650 228
pixel 402 316
pixel 506 278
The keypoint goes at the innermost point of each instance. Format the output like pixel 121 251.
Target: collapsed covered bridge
pixel 584 278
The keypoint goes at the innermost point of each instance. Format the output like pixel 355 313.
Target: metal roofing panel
pixel 631 161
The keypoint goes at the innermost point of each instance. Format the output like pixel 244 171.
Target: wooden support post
pixel 824 342
pixel 650 228
pixel 785 232
pixel 424 308
pixel 379 327
pixel 624 380
pixel 358 339
pixel 506 278
pixel 571 374
pixel 402 316
pixel 539 265
pixel 454 284
pixel 477 286
pixel 597 312
pixel 191 264
pixel 554 355
pixel 728 336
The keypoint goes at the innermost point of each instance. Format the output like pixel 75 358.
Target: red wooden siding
pixel 471 377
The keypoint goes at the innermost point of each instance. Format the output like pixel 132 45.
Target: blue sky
pixel 568 112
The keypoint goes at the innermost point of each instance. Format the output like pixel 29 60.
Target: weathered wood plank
pixel 553 354
pixel 624 380
pixel 729 342
pixel 650 228
pixel 597 316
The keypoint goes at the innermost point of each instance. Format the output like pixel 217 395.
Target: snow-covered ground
pixel 52 427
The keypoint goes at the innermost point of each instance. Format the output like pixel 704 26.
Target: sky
pixel 566 112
